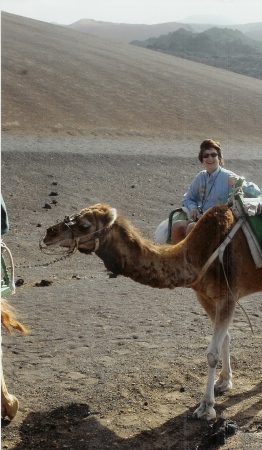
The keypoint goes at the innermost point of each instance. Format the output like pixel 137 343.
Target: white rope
pixel 12 277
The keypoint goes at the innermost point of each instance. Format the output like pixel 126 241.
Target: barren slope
pixel 125 32
pixel 56 80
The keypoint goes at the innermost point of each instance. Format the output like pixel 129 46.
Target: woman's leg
pixel 189 227
pixel 178 232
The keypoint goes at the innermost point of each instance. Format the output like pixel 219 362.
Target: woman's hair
pixel 208 144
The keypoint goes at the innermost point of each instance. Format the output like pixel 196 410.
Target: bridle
pixel 70 222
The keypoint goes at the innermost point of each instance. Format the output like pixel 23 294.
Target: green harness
pixel 255 222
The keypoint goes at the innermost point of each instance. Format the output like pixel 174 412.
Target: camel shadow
pixel 241 416
pixel 75 427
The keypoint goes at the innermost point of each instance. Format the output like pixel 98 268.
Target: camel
pixel 101 230
pixel 9 403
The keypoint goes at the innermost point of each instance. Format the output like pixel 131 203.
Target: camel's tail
pixel 9 320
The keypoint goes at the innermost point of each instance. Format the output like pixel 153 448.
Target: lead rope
pixel 204 196
pixel 12 277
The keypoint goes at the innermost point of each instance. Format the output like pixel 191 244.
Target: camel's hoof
pixel 205 412
pixel 3 411
pixel 222 386
pixel 11 409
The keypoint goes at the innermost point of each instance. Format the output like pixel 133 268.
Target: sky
pixel 66 12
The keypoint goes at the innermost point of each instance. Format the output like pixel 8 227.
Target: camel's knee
pixel 212 359
pixel 213 353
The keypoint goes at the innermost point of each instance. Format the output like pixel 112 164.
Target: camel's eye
pixel 84 226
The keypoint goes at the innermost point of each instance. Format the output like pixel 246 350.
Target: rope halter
pixel 70 222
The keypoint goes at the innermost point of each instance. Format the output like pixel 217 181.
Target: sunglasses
pixel 206 155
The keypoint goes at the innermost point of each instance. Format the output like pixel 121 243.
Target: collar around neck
pixel 210 175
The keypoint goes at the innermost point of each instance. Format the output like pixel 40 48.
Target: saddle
pixel 163 231
pixel 252 224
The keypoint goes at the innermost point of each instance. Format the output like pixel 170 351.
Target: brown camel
pixel 125 252
pixel 9 403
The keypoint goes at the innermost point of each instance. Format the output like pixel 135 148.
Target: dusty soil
pixel 111 364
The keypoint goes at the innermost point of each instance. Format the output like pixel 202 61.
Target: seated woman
pixel 210 187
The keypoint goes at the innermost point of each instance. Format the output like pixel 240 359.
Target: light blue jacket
pixel 208 190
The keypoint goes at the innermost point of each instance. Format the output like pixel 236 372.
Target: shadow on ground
pixel 76 427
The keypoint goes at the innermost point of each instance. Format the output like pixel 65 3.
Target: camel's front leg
pixel 220 336
pixel 206 408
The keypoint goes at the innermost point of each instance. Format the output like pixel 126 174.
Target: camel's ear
pixel 112 215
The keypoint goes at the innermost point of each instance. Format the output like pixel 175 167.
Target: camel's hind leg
pixel 224 382
pixel 9 403
pixel 221 315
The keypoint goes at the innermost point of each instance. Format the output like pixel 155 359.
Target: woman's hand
pixel 232 179
pixel 194 214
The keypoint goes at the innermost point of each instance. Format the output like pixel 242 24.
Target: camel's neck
pixel 127 253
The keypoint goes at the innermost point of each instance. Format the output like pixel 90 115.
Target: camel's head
pixel 81 231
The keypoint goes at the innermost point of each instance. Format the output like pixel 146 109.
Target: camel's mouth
pixel 57 247
pixel 58 242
